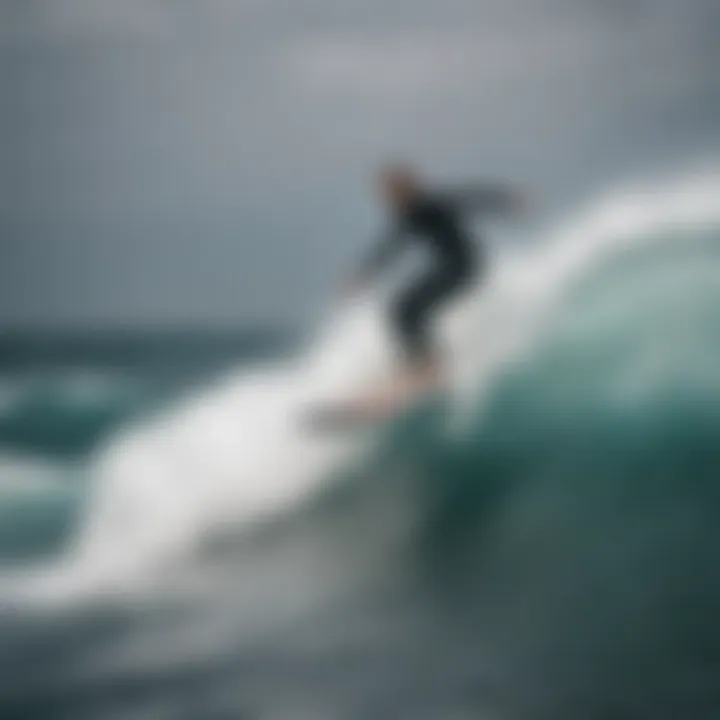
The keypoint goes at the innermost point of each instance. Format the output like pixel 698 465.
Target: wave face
pixel 542 545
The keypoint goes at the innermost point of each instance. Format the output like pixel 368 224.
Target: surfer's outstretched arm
pixel 487 198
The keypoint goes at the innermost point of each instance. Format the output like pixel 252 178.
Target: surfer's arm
pixel 487 198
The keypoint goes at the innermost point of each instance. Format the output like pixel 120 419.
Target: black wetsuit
pixel 437 220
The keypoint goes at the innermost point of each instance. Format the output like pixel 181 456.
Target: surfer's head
pixel 399 184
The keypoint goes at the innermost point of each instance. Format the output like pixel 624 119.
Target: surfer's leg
pixel 412 317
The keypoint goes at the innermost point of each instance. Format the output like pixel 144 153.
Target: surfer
pixel 436 218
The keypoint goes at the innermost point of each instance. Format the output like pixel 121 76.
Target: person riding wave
pixel 438 219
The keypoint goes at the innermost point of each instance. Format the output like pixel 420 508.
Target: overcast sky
pixel 206 161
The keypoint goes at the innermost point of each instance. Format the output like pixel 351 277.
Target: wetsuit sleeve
pixel 486 198
pixel 382 254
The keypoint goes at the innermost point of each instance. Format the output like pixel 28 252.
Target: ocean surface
pixel 539 543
